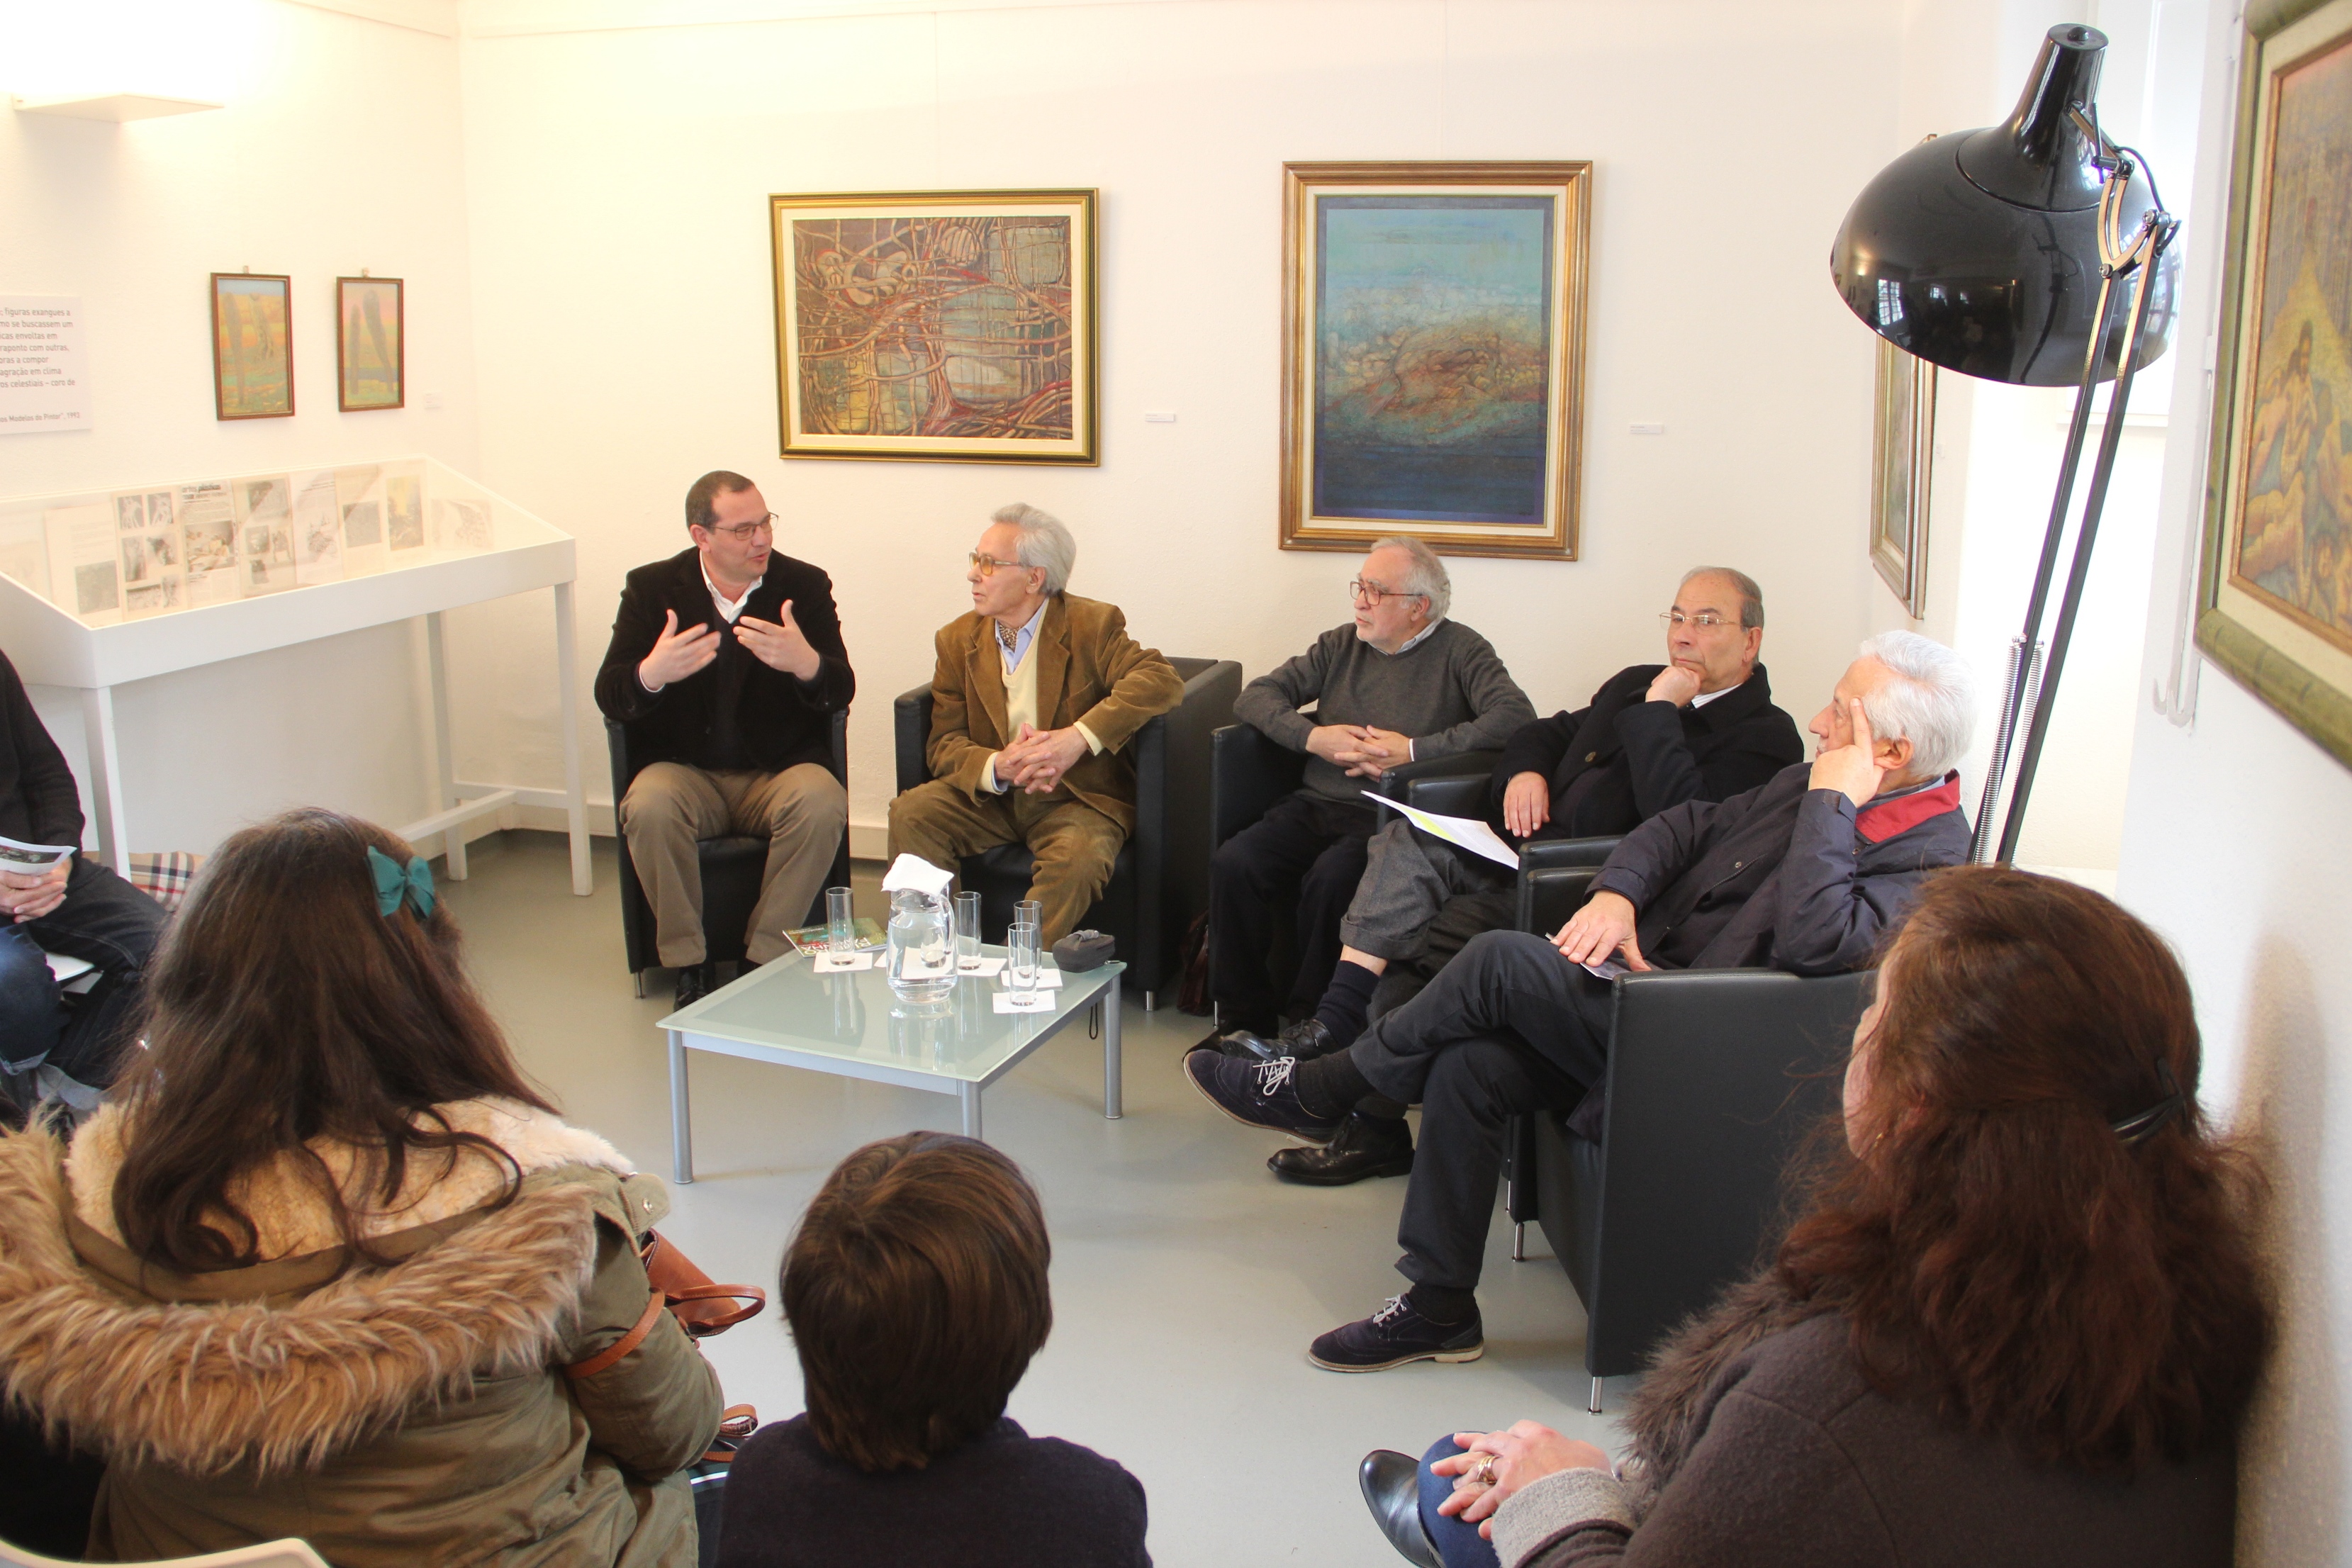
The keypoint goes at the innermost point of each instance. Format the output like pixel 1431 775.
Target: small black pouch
pixel 1083 949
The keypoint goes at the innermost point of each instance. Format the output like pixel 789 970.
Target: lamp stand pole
pixel 2031 688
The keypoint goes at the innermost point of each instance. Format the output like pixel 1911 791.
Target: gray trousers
pixel 1408 878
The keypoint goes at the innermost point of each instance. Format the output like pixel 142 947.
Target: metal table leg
pixel 1112 1097
pixel 681 1119
pixel 968 1096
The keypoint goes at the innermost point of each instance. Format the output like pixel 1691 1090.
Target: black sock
pixel 1381 1108
pixel 1345 1003
pixel 1442 1304
pixel 1329 1086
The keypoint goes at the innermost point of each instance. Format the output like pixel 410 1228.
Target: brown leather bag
pixel 688 1294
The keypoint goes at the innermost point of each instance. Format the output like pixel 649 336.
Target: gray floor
pixel 1187 1280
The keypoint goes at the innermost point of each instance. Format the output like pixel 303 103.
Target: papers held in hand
pixel 30 859
pixel 1467 832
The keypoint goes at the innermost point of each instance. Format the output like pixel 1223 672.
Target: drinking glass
pixel 840 923
pixel 1029 912
pixel 967 930
pixel 1021 959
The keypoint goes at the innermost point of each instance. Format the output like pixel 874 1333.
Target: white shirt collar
pixel 1418 637
pixel 1022 639
pixel 728 608
pixel 1704 698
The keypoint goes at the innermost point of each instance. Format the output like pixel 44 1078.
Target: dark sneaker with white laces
pixel 1263 1094
pixel 1306 1039
pixel 1395 1335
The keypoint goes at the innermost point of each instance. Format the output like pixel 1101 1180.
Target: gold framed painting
pixel 253 346
pixel 1902 468
pixel 371 345
pixel 939 326
pixel 1432 355
pixel 2277 583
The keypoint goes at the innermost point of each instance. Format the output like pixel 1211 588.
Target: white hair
pixel 1044 541
pixel 1426 576
pixel 1931 702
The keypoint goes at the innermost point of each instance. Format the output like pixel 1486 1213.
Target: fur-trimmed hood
pixel 208 1374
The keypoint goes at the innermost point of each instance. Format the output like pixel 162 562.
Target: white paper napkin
pixel 827 963
pixel 1025 1002
pixel 913 872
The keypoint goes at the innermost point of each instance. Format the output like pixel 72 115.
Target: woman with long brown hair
pixel 2018 1321
pixel 328 1266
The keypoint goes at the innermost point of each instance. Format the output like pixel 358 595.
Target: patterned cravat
pixel 1008 636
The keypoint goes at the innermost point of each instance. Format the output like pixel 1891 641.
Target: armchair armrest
pixel 1450 786
pixel 910 718
pixel 1555 876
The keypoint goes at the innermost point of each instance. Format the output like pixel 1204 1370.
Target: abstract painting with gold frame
pixel 946 326
pixel 371 343
pixel 1902 469
pixel 253 346
pixel 1432 355
pixel 2277 581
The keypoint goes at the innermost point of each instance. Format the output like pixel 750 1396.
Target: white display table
pixel 50 646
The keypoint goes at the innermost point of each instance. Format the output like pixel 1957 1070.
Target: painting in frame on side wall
pixel 941 326
pixel 2277 581
pixel 371 345
pixel 1902 469
pixel 253 346
pixel 1432 355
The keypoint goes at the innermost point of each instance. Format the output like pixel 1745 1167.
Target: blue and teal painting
pixel 1433 352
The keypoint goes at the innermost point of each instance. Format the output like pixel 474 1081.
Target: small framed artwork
pixel 253 346
pixel 1902 468
pixel 371 345
pixel 1432 355
pixel 942 326
pixel 2277 608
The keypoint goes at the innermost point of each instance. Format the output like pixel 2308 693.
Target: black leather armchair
pixel 732 868
pixel 1161 878
pixel 1715 1078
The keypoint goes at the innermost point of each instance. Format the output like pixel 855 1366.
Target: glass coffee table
pixel 851 1025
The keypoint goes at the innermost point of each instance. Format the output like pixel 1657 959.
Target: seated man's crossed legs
pixel 1508 1026
pixel 1410 880
pixel 1076 846
pixel 802 812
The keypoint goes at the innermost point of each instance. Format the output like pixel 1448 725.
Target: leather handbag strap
pixel 612 1354
pixel 704 1321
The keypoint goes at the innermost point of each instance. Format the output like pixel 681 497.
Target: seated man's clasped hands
pixel 2018 1319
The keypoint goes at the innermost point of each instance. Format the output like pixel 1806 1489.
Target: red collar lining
pixel 1883 819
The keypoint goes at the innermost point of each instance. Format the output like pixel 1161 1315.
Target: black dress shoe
pixel 1391 1483
pixel 1364 1146
pixel 1305 1040
pixel 696 981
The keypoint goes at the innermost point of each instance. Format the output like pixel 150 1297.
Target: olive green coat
pixel 405 1414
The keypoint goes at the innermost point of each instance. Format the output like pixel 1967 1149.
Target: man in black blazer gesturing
pixel 726 666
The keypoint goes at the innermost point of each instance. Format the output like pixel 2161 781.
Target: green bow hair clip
pixel 393 882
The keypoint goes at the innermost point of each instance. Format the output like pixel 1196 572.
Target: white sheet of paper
pixel 1025 1002
pixel 982 966
pixel 1467 831
pixel 826 964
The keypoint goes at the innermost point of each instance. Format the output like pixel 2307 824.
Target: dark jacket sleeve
pixel 1535 747
pixel 656 1410
pixel 835 683
pixel 1271 703
pixel 1832 912
pixel 637 627
pixel 1661 849
pixel 1666 772
pixel 52 800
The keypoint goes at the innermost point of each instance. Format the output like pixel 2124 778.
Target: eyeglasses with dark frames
pixel 740 532
pixel 1372 593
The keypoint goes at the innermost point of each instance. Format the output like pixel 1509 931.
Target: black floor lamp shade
pixel 1979 250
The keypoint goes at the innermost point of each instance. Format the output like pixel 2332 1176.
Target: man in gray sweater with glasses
pixel 1398 683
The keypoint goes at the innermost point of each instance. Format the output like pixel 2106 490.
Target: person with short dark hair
pixel 2018 1318
pixel 326 1265
pixel 916 1291
pixel 74 907
pixel 726 666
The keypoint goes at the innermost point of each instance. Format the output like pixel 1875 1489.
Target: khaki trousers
pixel 1074 843
pixel 801 812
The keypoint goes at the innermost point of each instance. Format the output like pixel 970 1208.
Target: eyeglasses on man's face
pixel 1706 620
pixel 765 528
pixel 1372 593
pixel 987 566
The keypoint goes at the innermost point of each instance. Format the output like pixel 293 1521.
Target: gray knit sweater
pixel 1448 693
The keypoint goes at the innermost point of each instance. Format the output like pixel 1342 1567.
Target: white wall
pixel 339 150
pixel 2234 846
pixel 617 183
